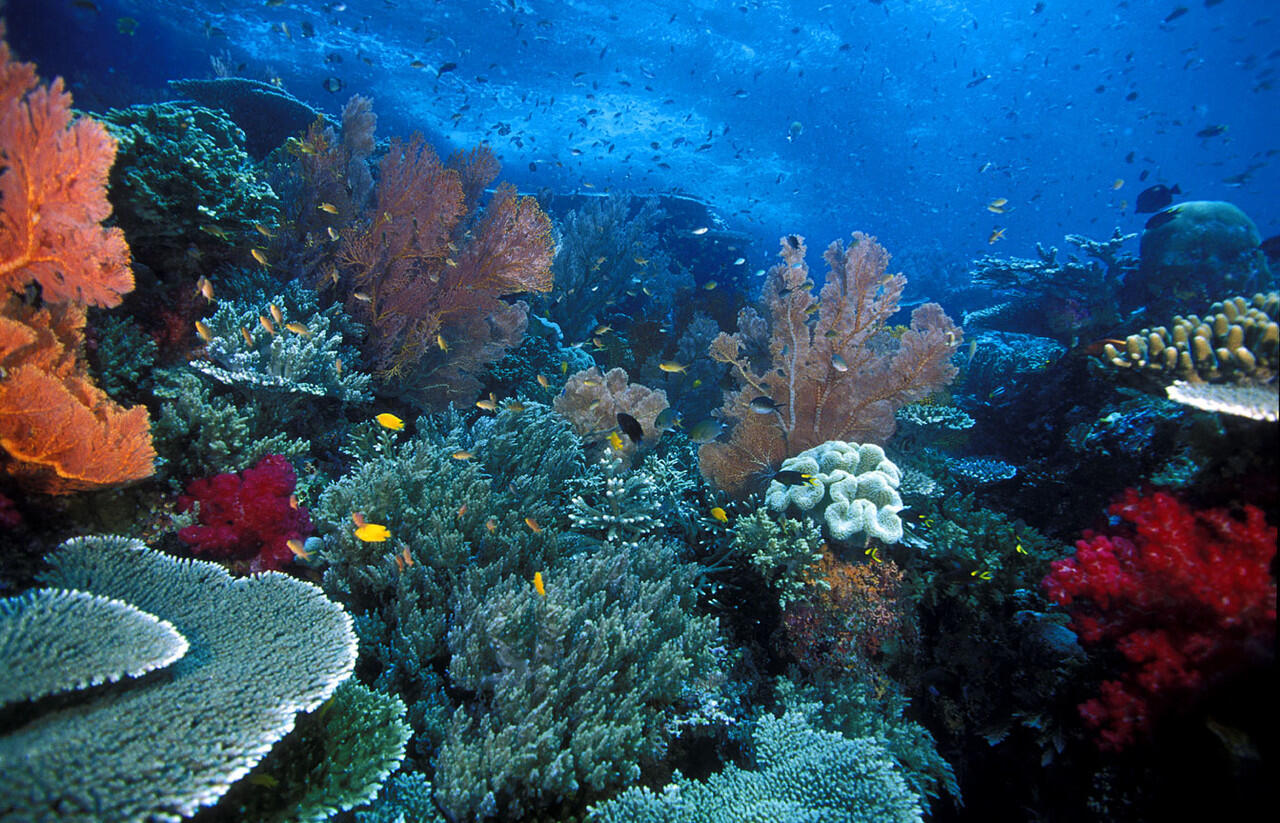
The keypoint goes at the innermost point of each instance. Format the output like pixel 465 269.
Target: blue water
pixel 894 138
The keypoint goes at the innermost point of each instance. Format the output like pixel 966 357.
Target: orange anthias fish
pixel 538 585
pixel 533 525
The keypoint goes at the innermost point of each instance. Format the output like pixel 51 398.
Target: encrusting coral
pixel 58 431
pixel 833 372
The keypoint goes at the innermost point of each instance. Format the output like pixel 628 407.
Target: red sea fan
pixel 247 516
pixel 1185 595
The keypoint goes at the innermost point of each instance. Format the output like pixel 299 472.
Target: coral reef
pixel 54 640
pixel 591 401
pixel 263 648
pixel 839 376
pixel 853 491
pixel 247 517
pixel 800 774
pixel 615 504
pixel 783 551
pixel 268 114
pixel 1185 595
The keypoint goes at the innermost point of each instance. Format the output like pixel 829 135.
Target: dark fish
pixel 1156 198
pixel 1161 217
pixel 706 431
pixel 1211 131
pixel 763 405
pixel 333 85
pixel 630 427
pixel 1271 247
pixel 975 81
pixel 790 477
pixel 793 241
pixel 444 67
pixel 1176 13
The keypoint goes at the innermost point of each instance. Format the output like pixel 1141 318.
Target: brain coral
pixel 856 490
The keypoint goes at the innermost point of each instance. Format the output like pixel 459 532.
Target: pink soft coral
pixel 248 516
pixel 1184 595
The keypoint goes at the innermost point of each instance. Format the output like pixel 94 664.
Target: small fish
pixel 327 208
pixel 293 502
pixel 276 314
pixel 997 206
pixel 630 427
pixel 86 5
pixel 491 524
pixel 406 557
pixel 740 261
pixel 640 261
pixel 265 322
pixel 298 328
pixel 462 455
pixel 248 337
pixel 980 574
pixel 462 510
pixel 203 331
pixel 263 230
pixel 996 234
pixel 337 366
pixel 126 26
pixel 205 288
pixel 564 366
pixel 488 404
pixel 719 514
pixel 699 231
pixel 216 231
pixel 603 329
pixel 533 525
pixel 440 342
pixel 710 285
pixel 763 405
pixel 363 297
pixel 538 585
pixel 543 381
pixel 1155 198
pixel 372 533
pixel 1211 131
pixel 332 84
pixel 387 420
pixel 837 363
pixel 446 67
pixel 515 407
pixel 791 477
pixel 874 553
pixel 266 781
pixel 1017 546
pixel 616 442
pixel 333 233
pixel 297 547
pixel 260 256
pixel 1175 14
pixel 667 419
pixel 706 431
pixel 672 367
pixel 1119 182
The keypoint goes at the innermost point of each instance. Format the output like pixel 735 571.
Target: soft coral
pixel 248 516
pixel 1184 594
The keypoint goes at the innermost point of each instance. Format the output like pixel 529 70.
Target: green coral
pixel 54 640
pixel 122 356
pixel 263 648
pixel 784 551
pixel 182 187
pixel 572 690
pixel 285 363
pixel 616 504
pixel 405 798
pixel 1194 250
pixel 801 774
pixel 334 760
pixel 200 433
pixel 854 490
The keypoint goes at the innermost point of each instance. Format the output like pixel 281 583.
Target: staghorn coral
pixel 55 640
pixel 854 491
pixel 263 648
pixel 616 505
pixel 800 774
pixel 818 397
pixel 785 552
pixel 571 691
pixel 426 271
pixel 591 401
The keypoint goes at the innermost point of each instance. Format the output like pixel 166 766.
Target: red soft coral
pixel 1185 595
pixel 248 516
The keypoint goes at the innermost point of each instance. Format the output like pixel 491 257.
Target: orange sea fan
pixel 58 431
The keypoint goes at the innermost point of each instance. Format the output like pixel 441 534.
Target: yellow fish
pixel 981 575
pixel 259 255
pixel 1018 548
pixel 387 420
pixel 543 381
pixel 538 585
pixel 328 208
pixel 441 342
pixel 488 404
pixel 462 455
pixel 1119 182
pixel 204 287
pixel 266 324
pixel 248 338
pixel 203 331
pixel 263 230
pixel 276 314
pixel 720 514
pixel 333 234
pixel 298 328
pixel 672 367
pixel 615 441
pixel 533 525
pixel 874 553
pixel 996 234
pixel 296 546
pixel 372 533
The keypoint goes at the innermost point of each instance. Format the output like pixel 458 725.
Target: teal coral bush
pixel 854 491
pixel 573 690
pixel 335 759
pixel 263 649
pixel 182 187
pixel 800 774
pixel 784 551
pixel 54 640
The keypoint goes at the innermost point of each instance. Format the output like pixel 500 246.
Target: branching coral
pixel 785 552
pixel 427 275
pixel 616 504
pixel 833 371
